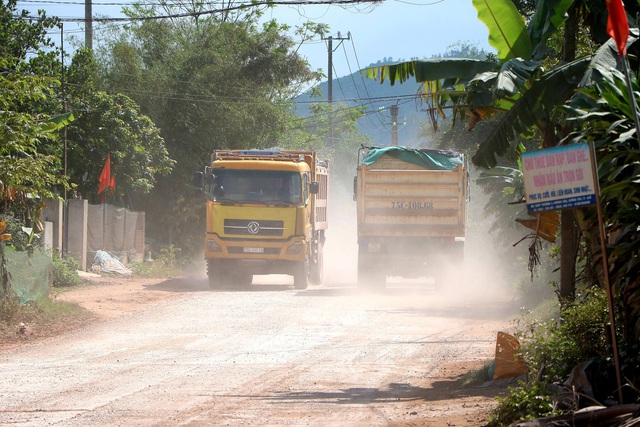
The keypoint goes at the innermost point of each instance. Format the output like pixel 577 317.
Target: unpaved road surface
pixel 172 352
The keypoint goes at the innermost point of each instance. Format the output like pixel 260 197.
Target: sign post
pixel 564 178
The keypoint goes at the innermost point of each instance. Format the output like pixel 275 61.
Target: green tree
pixel 23 166
pixel 32 105
pixel 342 150
pixel 208 82
pixel 110 123
pixel 27 105
pixel 24 43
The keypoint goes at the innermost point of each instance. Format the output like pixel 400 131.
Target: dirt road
pixel 173 352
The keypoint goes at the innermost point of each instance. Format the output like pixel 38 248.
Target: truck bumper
pixel 258 256
pixel 410 257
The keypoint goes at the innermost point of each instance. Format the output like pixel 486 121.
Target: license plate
pixel 253 250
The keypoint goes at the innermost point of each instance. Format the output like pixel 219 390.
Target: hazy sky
pixel 395 28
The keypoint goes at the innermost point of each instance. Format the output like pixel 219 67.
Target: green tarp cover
pixel 30 273
pixel 428 159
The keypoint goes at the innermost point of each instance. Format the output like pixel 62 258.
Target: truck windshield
pixel 263 186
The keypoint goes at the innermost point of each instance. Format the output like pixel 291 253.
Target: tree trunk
pixel 568 232
pixel 568 251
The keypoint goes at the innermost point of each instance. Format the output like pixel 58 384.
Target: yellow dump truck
pixel 411 207
pixel 266 213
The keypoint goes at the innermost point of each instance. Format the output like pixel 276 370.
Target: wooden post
pixel 605 267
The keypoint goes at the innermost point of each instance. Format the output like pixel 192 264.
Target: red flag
pixel 105 177
pixel 618 25
pixel 113 182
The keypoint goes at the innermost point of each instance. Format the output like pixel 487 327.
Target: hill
pixel 356 90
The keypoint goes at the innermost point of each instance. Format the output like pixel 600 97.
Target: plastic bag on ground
pixel 104 262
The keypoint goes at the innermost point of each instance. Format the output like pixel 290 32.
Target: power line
pixel 215 11
pixel 197 97
pixel 67 2
pixel 364 86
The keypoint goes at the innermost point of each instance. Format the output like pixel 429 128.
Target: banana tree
pixel 488 87
pixel 518 85
pixel 604 116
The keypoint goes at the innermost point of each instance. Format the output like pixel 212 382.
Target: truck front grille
pixel 252 227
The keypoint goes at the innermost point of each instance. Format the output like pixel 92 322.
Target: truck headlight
pixel 295 249
pixel 212 246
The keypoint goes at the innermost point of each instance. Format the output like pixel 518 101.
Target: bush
pixel 168 263
pixel 527 401
pixel 477 377
pixel 576 335
pixel 552 345
pixel 9 308
pixel 65 271
pixel 20 239
pixel 44 314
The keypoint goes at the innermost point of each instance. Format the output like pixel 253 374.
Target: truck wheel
pixel 301 275
pixel 241 279
pixel 318 268
pixel 215 273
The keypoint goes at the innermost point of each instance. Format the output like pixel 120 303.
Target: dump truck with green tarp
pixel 411 207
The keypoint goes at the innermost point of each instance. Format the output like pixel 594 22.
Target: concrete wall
pixel 47 236
pixel 77 214
pixel 53 213
pixel 75 239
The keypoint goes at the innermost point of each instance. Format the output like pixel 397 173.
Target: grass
pixel 44 317
pixel 477 377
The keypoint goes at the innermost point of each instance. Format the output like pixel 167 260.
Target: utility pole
pixel 88 25
pixel 330 40
pixel 394 125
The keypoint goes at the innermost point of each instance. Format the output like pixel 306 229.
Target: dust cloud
pixel 341 247
pixel 486 275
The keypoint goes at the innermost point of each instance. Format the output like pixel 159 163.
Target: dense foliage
pixel 110 123
pixel 39 97
pixel 209 82
pixel 56 129
pixel 604 116
pixel 558 341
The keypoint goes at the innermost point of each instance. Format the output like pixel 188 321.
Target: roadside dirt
pixel 446 401
pixel 100 298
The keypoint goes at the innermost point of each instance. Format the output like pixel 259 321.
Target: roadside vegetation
pixel 45 313
pixel 168 263
pixel 557 80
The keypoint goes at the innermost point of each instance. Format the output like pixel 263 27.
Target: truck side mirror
pixel 197 179
pixel 314 187
pixel 210 179
pixel 218 191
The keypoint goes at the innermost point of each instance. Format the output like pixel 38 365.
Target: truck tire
pixel 317 269
pixel 301 274
pixel 241 279
pixel 215 274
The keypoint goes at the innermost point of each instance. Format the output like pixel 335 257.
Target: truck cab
pixel 265 214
